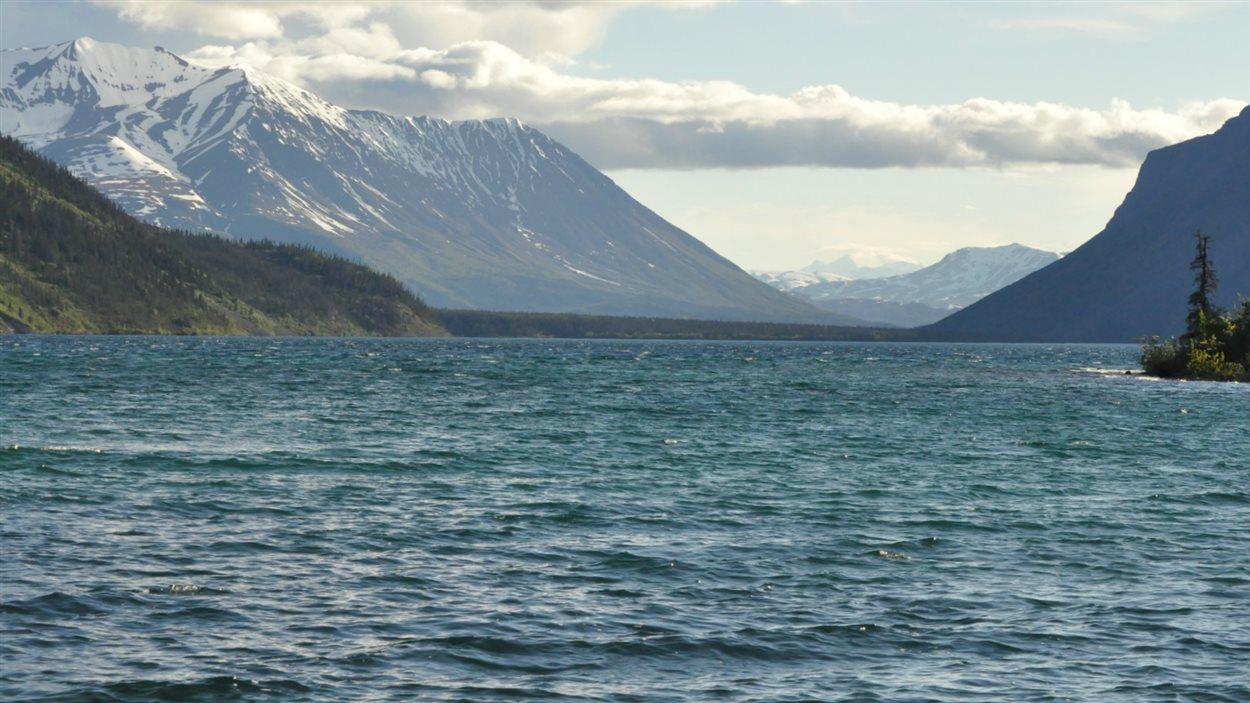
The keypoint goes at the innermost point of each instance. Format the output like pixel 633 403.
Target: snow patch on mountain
pixel 857 265
pixel 790 280
pixel 439 204
pixel 959 279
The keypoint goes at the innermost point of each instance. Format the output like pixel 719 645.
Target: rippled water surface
pixel 259 519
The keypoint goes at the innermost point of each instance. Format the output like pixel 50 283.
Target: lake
pixel 331 519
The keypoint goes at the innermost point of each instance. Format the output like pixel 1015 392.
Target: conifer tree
pixel 1200 305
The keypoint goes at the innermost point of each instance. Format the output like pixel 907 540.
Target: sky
pixel 777 132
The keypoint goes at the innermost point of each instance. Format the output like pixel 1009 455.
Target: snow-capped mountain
pixel 959 279
pixel 855 266
pixel 488 214
pixel 791 280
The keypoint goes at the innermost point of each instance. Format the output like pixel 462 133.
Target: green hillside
pixel 71 261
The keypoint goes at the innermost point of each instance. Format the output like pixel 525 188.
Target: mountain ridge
pixel 487 214
pixel 1132 279
pixel 925 295
pixel 848 266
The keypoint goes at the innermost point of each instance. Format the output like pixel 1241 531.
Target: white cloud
pixel 533 27
pixel 378 55
pixel 225 20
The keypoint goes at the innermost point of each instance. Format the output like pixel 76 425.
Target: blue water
pixel 284 519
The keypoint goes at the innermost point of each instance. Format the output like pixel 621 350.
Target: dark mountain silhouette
pixel 1133 278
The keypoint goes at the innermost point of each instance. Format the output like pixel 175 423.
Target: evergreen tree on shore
pixel 1205 283
pixel 1215 346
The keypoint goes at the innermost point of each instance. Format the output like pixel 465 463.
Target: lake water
pixel 286 519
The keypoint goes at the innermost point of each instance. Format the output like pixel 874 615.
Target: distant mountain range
pixel 851 267
pixel 844 268
pixel 789 281
pixel 1133 278
pixel 922 296
pixel 488 214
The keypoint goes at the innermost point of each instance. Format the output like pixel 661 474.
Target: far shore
pixel 484 324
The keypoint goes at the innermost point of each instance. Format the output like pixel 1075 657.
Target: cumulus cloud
pixel 977 133
pixel 649 123
pixel 378 55
pixel 225 20
pixel 555 27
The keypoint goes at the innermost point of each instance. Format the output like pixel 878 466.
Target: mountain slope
pixel 71 261
pixel 487 214
pixel 884 312
pixel 1132 279
pixel 927 295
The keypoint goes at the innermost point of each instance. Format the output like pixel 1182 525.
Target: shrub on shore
pixel 1216 345
pixel 1217 350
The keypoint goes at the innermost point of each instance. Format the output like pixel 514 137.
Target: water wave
pixel 261 520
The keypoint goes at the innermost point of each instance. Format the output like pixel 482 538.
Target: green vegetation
pixel 1216 345
pixel 72 261
pixel 480 323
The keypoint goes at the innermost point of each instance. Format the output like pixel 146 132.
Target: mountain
pixel 1133 279
pixel 72 261
pixel 488 214
pixel 924 296
pixel 793 280
pixel 873 266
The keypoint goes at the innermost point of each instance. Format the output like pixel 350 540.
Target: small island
pixel 1216 343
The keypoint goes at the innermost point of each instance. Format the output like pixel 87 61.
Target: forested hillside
pixel 72 261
